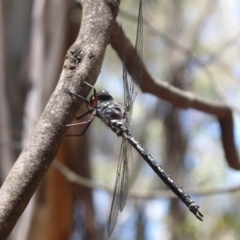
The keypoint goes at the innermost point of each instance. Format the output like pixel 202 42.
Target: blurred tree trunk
pixel 175 141
pixel 177 75
pixel 6 153
pixel 17 19
pixel 176 146
pixel 16 23
pixel 141 222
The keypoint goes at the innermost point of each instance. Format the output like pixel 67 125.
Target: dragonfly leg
pixel 88 84
pixel 88 122
pixel 85 114
pixel 91 86
pixel 79 96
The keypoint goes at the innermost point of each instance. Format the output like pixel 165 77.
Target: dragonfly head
pixel 102 96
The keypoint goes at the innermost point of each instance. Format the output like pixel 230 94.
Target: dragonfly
pixel 117 117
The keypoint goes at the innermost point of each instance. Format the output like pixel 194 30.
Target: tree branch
pixel 183 99
pixel 83 62
pixel 82 181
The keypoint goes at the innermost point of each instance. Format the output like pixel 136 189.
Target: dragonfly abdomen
pixel 193 207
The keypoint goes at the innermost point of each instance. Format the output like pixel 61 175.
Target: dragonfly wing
pixel 121 185
pixel 125 159
pixel 131 87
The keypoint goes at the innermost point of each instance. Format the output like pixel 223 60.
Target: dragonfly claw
pixel 194 209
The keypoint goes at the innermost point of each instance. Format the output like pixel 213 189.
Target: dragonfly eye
pixel 103 96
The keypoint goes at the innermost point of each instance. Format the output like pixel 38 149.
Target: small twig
pixel 82 181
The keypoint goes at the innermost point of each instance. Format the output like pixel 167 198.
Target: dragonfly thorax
pixel 112 113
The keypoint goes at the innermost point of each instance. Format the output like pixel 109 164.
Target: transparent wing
pixel 131 87
pixel 121 184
